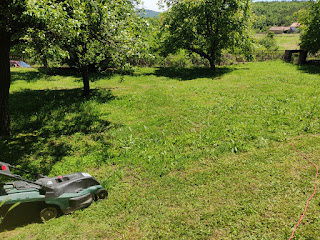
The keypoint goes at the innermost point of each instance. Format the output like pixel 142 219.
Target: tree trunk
pixel 45 64
pixel 303 57
pixel 212 63
pixel 4 83
pixel 287 55
pixel 85 79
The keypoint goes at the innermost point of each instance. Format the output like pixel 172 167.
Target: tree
pixel 207 27
pixel 268 41
pixel 44 40
pixel 310 36
pixel 91 32
pixel 13 23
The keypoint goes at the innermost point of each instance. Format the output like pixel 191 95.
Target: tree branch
pixel 17 41
pixel 198 51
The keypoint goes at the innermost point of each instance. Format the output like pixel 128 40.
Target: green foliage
pixel 99 34
pixel 268 41
pixel 89 31
pixel 310 36
pixel 178 60
pixel 12 18
pixel 207 28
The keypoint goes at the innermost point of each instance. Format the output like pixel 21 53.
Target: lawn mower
pixel 52 196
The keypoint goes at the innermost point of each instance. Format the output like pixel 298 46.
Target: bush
pixel 178 60
pixel 268 41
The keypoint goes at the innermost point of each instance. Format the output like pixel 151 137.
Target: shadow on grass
pixel 28 76
pixel 94 74
pixel 185 74
pixel 33 76
pixel 41 117
pixel 20 216
pixel 312 67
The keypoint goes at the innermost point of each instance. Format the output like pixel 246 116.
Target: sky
pixel 151 5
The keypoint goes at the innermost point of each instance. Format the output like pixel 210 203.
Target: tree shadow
pixel 22 215
pixel 33 76
pixel 185 74
pixel 42 123
pixel 60 71
pixel 28 76
pixel 312 67
pixel 94 73
pixel 41 117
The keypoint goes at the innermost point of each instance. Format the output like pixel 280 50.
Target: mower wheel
pixel 49 213
pixel 101 194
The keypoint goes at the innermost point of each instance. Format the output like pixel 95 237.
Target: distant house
pixel 279 30
pixel 295 27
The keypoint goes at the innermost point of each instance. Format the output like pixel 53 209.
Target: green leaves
pixel 310 36
pixel 99 33
pixel 207 27
pixel 86 30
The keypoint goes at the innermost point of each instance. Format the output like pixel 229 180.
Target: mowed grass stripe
pixel 185 153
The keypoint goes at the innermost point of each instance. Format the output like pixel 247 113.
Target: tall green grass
pixel 288 41
pixel 184 153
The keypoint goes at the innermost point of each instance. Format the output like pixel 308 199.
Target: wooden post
pixel 303 57
pixel 287 55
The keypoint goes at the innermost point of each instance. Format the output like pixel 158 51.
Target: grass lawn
pixel 185 154
pixel 288 41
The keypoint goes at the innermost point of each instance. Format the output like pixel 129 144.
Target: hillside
pixel 148 13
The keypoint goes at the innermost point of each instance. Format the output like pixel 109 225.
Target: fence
pixel 266 55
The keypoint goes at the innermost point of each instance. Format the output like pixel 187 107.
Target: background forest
pixel 276 13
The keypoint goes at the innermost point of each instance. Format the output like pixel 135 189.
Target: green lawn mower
pixel 52 196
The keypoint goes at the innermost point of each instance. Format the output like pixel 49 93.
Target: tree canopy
pixel 310 36
pixel 97 33
pixel 207 27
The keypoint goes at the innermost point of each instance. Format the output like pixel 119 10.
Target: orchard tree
pixel 13 23
pixel 310 36
pixel 86 33
pixel 44 40
pixel 207 27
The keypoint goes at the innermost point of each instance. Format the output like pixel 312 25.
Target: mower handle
pixel 38 175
